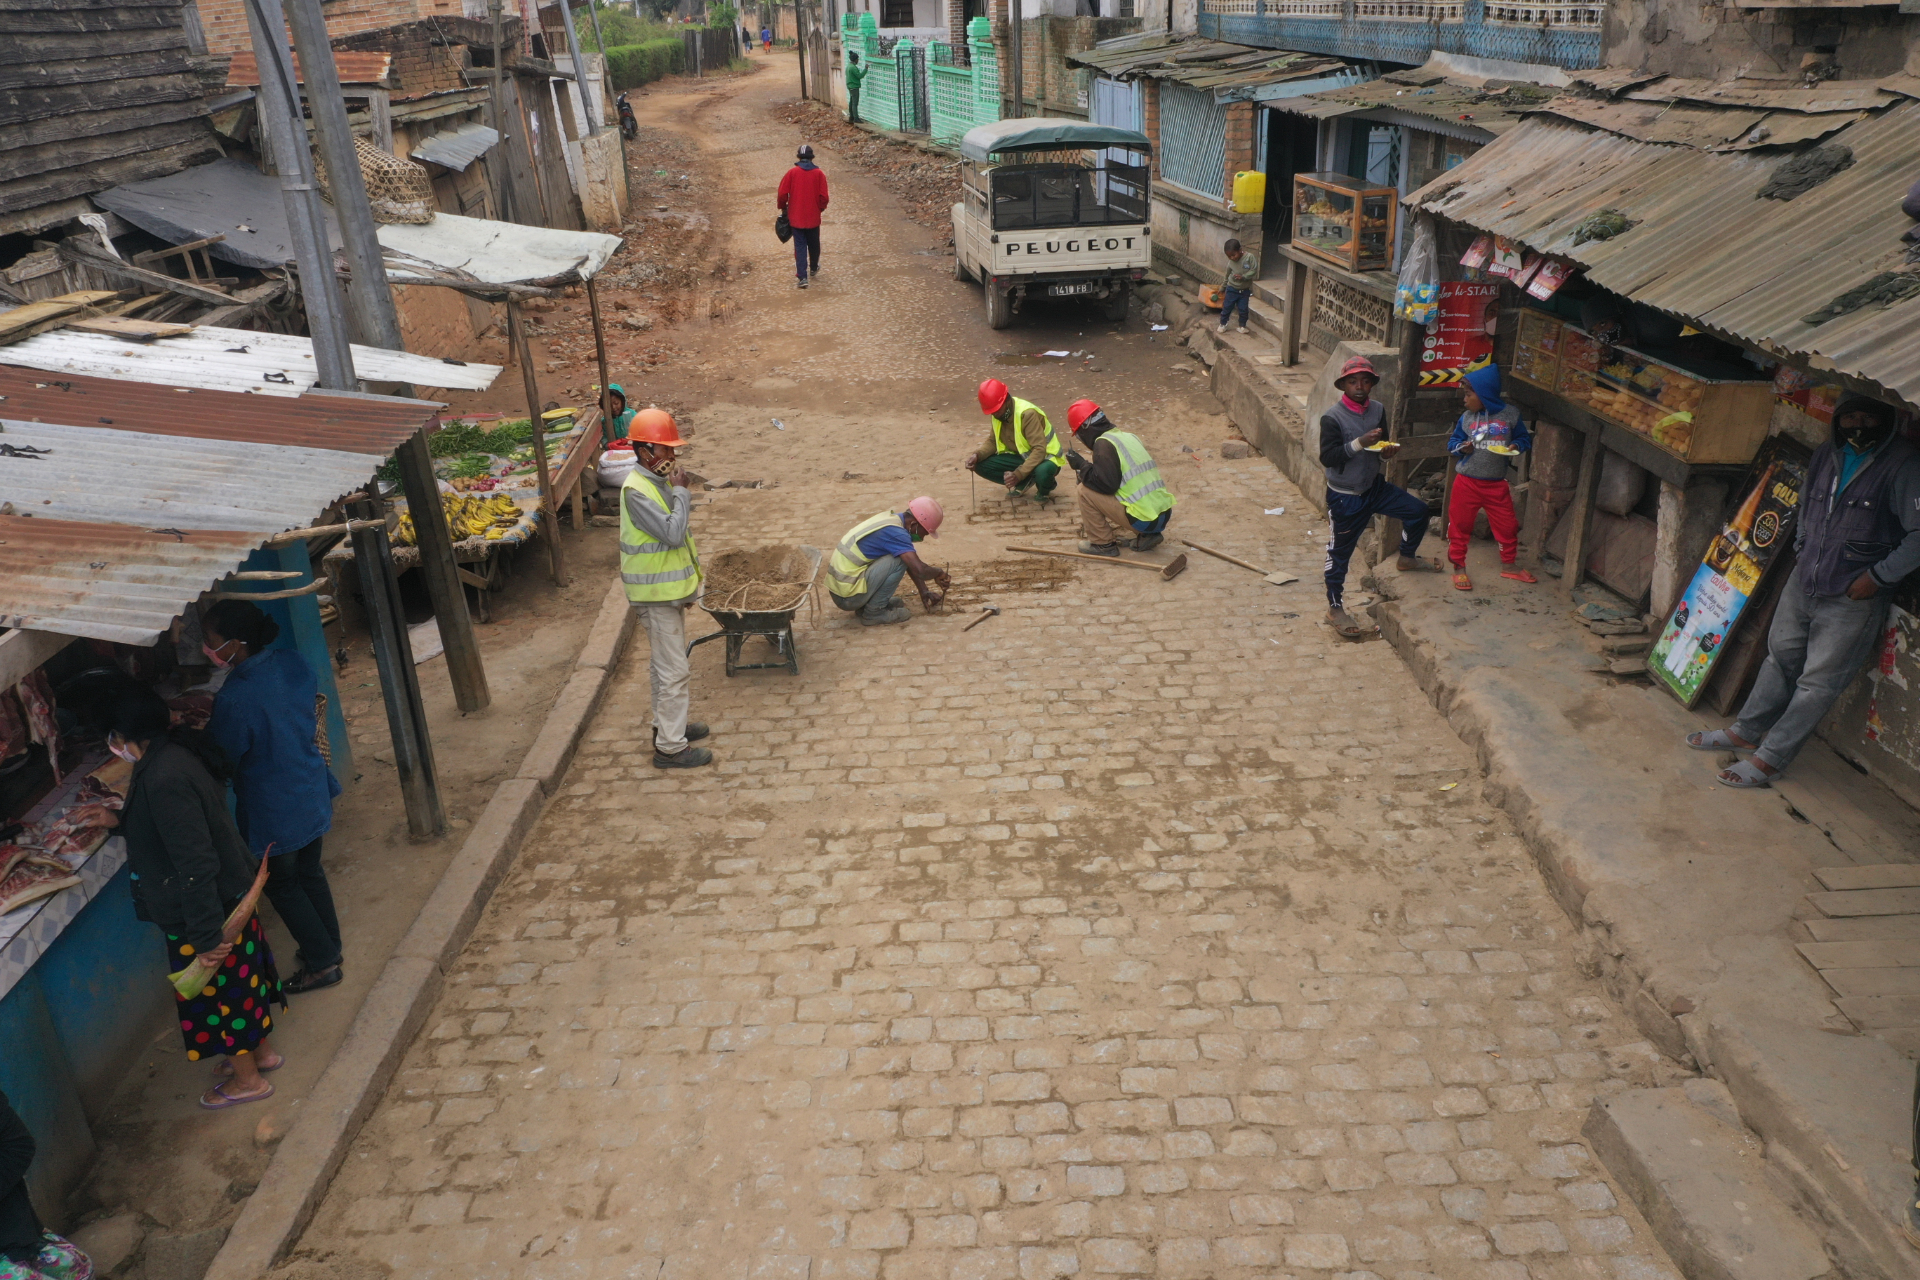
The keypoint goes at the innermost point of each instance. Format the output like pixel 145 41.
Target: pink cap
pixel 1358 364
pixel 927 512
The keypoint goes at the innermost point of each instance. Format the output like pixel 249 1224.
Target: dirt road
pixel 1144 930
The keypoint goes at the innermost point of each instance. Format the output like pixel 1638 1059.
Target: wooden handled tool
pixel 1276 578
pixel 1172 569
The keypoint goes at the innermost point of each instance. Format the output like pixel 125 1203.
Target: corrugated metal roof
pixel 495 252
pixel 373 425
pixel 107 581
pixel 458 147
pixel 1226 70
pixel 1455 104
pixel 237 360
pixel 355 67
pixel 1705 246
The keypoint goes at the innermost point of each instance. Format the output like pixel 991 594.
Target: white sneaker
pixel 1241 329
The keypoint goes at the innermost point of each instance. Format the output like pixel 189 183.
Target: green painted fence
pixel 957 97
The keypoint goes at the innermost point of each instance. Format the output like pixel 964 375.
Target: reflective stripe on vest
pixel 653 571
pixel 847 567
pixel 1142 492
pixel 1020 445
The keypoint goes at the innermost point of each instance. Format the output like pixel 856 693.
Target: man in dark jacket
pixel 1858 535
pixel 1352 443
pixel 803 198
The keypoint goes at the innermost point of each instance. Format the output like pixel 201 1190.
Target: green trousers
pixel 1001 465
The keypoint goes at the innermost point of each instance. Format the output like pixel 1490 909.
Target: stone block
pixel 182 1257
pixel 110 1241
pixel 611 630
pixel 552 751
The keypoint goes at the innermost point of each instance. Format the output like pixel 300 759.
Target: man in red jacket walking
pixel 802 197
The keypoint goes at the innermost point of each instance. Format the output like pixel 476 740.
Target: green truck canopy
pixel 1003 136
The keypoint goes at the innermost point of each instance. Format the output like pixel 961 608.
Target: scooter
pixel 629 125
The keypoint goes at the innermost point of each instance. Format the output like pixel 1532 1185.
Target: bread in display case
pixel 1536 349
pixel 1705 414
pixel 1348 222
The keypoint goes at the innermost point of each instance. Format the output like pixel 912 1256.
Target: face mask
pixel 124 751
pixel 213 656
pixel 1864 438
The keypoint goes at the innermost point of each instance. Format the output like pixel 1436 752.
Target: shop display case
pixel 1536 349
pixel 1703 413
pixel 1348 222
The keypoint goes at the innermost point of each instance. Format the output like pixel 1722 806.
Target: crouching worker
pixel 1122 497
pixel 875 554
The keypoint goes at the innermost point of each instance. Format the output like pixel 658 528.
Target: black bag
pixel 782 228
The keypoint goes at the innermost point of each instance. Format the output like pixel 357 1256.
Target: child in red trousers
pixel 1484 443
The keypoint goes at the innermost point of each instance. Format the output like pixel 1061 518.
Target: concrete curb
pixel 1265 417
pixel 404 994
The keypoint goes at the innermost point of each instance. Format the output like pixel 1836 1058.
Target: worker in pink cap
pixel 867 566
pixel 1353 441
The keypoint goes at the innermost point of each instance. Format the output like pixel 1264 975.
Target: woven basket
pixel 399 190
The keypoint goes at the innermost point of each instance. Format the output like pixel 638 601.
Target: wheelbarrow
pixel 775 624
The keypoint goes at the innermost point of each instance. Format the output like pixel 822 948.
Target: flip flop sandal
pixel 1351 631
pixel 228 1100
pixel 1744 775
pixel 1518 575
pixel 1714 740
pixel 1461 582
pixel 223 1070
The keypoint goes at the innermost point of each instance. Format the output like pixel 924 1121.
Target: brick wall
pixel 1240 135
pixel 425 57
pixel 225 21
pixel 1150 119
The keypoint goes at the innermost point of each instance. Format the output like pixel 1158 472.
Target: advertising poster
pixel 1696 633
pixel 1462 331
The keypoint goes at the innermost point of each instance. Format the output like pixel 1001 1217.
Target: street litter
pixel 1059 354
pixel 779 425
pixel 1450 786
pixel 1276 511
pixel 1159 328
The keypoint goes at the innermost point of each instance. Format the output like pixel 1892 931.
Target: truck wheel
pixel 960 271
pixel 1116 303
pixel 999 306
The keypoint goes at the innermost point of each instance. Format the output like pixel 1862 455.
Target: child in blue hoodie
pixel 1486 439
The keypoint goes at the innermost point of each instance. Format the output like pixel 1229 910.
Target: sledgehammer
pixel 1172 569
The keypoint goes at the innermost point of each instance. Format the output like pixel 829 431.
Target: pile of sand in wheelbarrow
pixel 764 580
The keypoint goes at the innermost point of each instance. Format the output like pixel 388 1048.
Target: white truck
pixel 1052 208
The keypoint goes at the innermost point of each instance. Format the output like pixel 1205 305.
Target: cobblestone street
pixel 1145 930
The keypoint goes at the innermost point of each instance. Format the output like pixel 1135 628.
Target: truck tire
pixel 960 271
pixel 1116 303
pixel 999 306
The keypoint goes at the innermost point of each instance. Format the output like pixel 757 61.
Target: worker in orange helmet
pixel 660 568
pixel 1021 448
pixel 1122 495
pixel 875 554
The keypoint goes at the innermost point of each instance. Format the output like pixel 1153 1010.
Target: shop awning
pixel 150 494
pixel 217 359
pixel 489 252
pixel 1705 246
pixel 458 147
pixel 1435 97
pixel 1230 72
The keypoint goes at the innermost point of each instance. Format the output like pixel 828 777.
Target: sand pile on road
pixel 764 579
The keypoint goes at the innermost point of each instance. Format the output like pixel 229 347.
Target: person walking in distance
pixel 803 198
pixel 660 567
pixel 1352 443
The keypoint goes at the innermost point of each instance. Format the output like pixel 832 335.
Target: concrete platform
pixel 1686 891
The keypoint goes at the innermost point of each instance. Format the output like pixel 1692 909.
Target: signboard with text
pixel 1462 331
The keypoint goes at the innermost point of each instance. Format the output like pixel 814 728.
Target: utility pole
pixel 279 103
pixel 579 66
pixel 371 303
pixel 1013 46
pixel 503 194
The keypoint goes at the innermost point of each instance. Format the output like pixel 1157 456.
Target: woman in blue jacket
pixel 265 720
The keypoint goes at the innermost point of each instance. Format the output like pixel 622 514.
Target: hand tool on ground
pixel 1172 569
pixel 1277 578
pixel 973 488
pixel 986 612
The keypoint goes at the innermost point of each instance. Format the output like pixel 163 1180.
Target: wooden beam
pixel 132 330
pixel 82 252
pixel 245 303
pixel 1578 533
pixel 23 652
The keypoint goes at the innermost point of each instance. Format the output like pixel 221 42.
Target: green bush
pixel 631 65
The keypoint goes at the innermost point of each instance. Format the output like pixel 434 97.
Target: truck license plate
pixel 1068 290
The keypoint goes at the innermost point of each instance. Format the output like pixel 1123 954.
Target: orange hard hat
pixel 654 426
pixel 993 394
pixel 1078 412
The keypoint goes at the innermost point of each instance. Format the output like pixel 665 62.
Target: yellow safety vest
pixel 1142 492
pixel 847 568
pixel 653 571
pixel 1020 445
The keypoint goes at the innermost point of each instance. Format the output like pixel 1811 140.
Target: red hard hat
pixel 993 394
pixel 927 512
pixel 654 426
pixel 1078 412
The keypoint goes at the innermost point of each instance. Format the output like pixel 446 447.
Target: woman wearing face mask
pixel 264 719
pixel 190 867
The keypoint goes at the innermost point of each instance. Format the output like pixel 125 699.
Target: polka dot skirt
pixel 231 1014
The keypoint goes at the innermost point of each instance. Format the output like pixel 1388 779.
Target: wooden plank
pixel 247 302
pixel 1895 981
pixel 19 106
pixel 1871 1013
pixel 97 124
pixel 85 176
pixel 48 313
pixel 78 70
pixel 102 48
pixel 132 330
pixel 1864 928
pixel 1868 902
pixel 50 21
pixel 1862 955
pixel 81 251
pixel 22 653
pixel 1578 533
pixel 83 153
pixel 1884 875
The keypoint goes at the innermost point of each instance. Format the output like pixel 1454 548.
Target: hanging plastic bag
pixel 1417 296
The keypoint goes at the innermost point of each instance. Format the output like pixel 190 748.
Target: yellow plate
pixel 1501 449
pixel 1382 447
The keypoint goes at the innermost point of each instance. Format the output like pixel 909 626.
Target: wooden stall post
pixel 549 500
pixel 1578 532
pixel 399 683
pixel 1400 424
pixel 1293 325
pixel 600 356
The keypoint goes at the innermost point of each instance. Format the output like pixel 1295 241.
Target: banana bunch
pixel 469 515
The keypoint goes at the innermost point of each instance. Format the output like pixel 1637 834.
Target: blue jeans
pixel 883 579
pixel 1350 512
pixel 1815 647
pixel 1231 298
pixel 806 250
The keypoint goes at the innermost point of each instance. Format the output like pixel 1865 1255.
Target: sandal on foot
pixel 226 1099
pixel 1746 774
pixel 1518 575
pixel 1342 622
pixel 1417 564
pixel 1714 740
pixel 223 1069
pixel 1461 582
